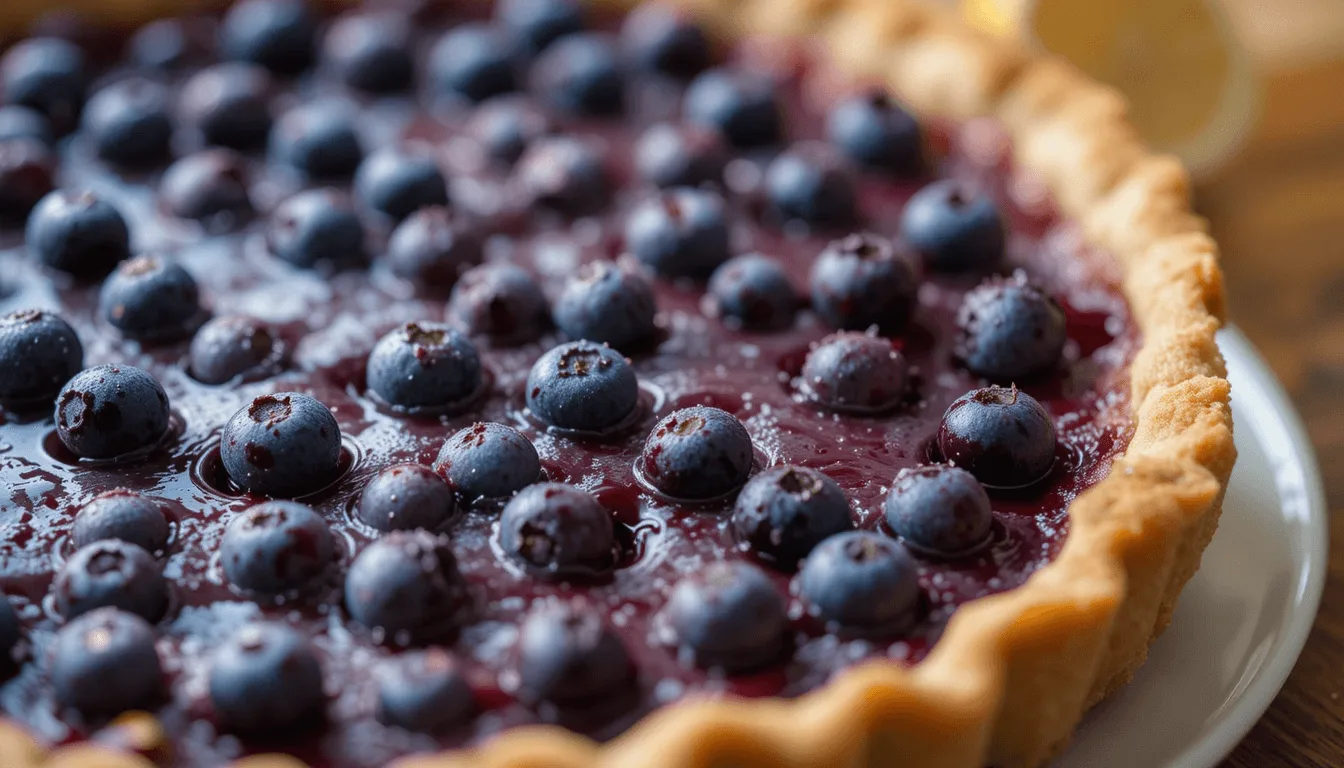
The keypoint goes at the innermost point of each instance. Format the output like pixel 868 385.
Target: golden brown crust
pixel 1014 673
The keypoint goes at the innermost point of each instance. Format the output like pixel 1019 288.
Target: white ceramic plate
pixel 1243 618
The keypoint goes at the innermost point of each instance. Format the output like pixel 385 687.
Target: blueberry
pixel 660 39
pixel 398 182
pixel 607 303
pixel 474 61
pixel 500 301
pixel 18 122
pixel 407 588
pixel 565 174
pixel 424 366
pixel 1009 330
pixel 729 616
pixel 104 663
pixel 79 233
pixel 229 105
pixel 860 581
pixel 558 532
pixel 276 547
pixel 861 281
pixel 371 51
pixel 151 299
pixel 680 232
pixel 581 75
pixel 284 444
pixel 668 155
pixel 129 123
pixel 46 74
pixel 488 461
pixel 1001 435
pixel 540 22
pixel 785 511
pixel 855 372
pixel 27 173
pixel 582 386
pixel 430 248
pixel 425 691
pixel 277 34
pixel 954 227
pixel 405 497
pixel 318 228
pixel 266 679
pixel 809 181
pixel 743 107
pixel 166 45
pixel 753 291
pixel 876 132
pixel 319 140
pixel 11 634
pixel 210 187
pixel 234 347
pixel 939 509
pixel 111 573
pixel 39 353
pixel 110 411
pixel 697 453
pixel 506 126
pixel 122 515
pixel 570 659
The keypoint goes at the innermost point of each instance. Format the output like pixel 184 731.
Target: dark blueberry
pixel 320 140
pixel 277 34
pixel 284 444
pixel 11 633
pixel 668 155
pixel 785 511
pixel 110 411
pixel 874 131
pixel 229 105
pixel 582 385
pixel 743 107
pixel 811 182
pixel 753 292
pixel 424 365
pixel 564 173
pixel 234 346
pixel 540 22
pixel 940 509
pixel 860 581
pixel 474 61
pixel 607 303
pixel 425 691
pixel 122 515
pixel 558 532
pixel 863 280
pixel 569 658
pixel 506 126
pixel 104 663
pixel 581 74
pixel 1001 435
pixel 39 353
pixel 151 299
pixel 500 301
pixel 210 187
pixel 680 232
pixel 318 228
pixel 276 547
pixel 129 123
pixel 431 248
pixel 855 372
pixel 1009 330
pixel 697 453
pixel 46 74
pixel 371 51
pixel 488 461
pixel 406 587
pixel 80 233
pixel 18 122
pixel 266 679
pixel 27 173
pixel 405 497
pixel 111 573
pixel 399 182
pixel 954 227
pixel 728 615
pixel 167 44
pixel 659 38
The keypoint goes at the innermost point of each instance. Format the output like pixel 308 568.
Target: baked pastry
pixel 703 401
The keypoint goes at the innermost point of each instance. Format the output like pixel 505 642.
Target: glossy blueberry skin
pixel 862 280
pixel 11 634
pixel 568 657
pixel 39 353
pixel 318 229
pixel 697 453
pixel 474 61
pixel 743 107
pixel 209 187
pixel 129 122
pixel 558 532
pixel 229 105
pixel 319 140
pixel 1010 330
pixel 876 132
pixel 424 691
pixel 399 182
pixel 151 299
pixel 658 38
pixel 431 248
pixel 1001 435
pixel 27 173
pixel 424 365
pixel 609 304
pixel 581 75
pixel 104 663
pixel 727 616
pixel 582 386
pixel 565 174
pixel 811 182
pixel 405 497
pixel 234 347
pixel 266 679
pixel 538 23
pixel 855 372
pixel 125 516
pixel 285 444
pixel 939 509
pixel 46 74
pixel 488 461
pixel 19 122
pixel 277 34
pixel 111 573
pixel 110 411
pixel 954 227
pixel 78 233
pixel 669 155
pixel 505 126
pixel 785 511
pixel 680 232
pixel 407 588
pixel 165 45
pixel 860 582
pixel 500 301
pixel 753 291
pixel 371 51
pixel 276 547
